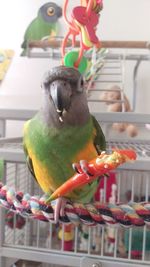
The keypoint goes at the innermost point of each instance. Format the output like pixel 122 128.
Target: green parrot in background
pixel 44 25
pixel 62 134
pixel 137 240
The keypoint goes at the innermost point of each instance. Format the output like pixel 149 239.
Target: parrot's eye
pixel 50 11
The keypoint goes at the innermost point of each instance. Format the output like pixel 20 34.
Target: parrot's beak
pixel 60 94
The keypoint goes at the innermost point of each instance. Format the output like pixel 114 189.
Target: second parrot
pixel 45 25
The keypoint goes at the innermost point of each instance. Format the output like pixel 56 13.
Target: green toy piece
pixel 70 59
pixel 137 240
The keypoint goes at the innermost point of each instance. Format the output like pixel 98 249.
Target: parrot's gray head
pixel 50 12
pixel 64 94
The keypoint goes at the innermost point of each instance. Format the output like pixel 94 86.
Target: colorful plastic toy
pixel 97 167
pixel 84 20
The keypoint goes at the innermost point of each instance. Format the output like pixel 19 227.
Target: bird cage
pixel 101 244
pixel 106 244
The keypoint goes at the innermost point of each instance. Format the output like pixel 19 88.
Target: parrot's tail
pixel 23 53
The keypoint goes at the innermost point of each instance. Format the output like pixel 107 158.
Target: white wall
pixel 126 20
pixel 120 20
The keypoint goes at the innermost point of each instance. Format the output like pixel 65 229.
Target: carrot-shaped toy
pixel 97 167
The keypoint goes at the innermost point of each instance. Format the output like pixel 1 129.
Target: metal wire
pixel 42 237
pixel 36 239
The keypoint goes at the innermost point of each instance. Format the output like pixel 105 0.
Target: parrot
pixel 63 135
pixel 44 25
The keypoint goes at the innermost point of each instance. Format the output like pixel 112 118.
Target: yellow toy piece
pixel 67 233
pixel 5 60
pixel 68 236
pixel 85 38
pixel 85 2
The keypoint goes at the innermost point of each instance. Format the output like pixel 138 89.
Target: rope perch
pixel 35 207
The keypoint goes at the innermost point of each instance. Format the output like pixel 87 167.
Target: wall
pixel 120 20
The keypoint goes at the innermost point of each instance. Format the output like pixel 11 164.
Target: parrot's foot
pixel 82 167
pixel 58 206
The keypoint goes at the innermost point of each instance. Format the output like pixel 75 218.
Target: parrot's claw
pixel 77 168
pixel 85 167
pixel 82 167
pixel 58 207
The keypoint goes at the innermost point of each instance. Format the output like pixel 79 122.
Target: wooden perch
pixel 52 43
pixel 126 44
pixel 56 43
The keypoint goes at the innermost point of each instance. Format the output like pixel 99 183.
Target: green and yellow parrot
pixel 45 25
pixel 62 133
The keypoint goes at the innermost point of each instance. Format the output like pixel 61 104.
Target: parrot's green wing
pixel 99 141
pixel 37 30
pixel 29 161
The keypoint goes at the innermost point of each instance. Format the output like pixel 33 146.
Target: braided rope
pixel 35 207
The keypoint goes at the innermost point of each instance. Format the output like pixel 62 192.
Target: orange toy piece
pixel 97 167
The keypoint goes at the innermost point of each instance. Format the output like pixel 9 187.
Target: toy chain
pixel 83 22
pixel 127 215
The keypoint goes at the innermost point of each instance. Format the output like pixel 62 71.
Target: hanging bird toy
pixel 83 22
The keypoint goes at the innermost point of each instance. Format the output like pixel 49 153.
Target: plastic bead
pixel 70 59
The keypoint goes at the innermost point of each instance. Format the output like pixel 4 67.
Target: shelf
pixel 11 150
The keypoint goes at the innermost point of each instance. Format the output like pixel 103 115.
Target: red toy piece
pixel 13 222
pixel 88 22
pixel 100 190
pixel 66 235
